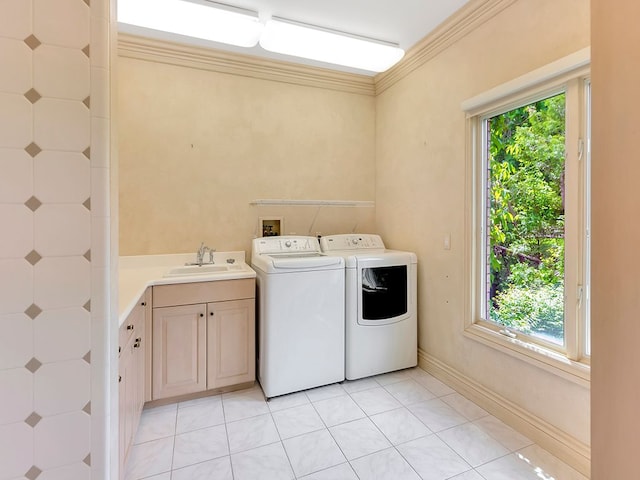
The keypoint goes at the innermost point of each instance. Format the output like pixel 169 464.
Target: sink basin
pixel 199 270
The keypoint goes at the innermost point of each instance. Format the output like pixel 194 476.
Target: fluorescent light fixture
pixel 198 19
pixel 307 41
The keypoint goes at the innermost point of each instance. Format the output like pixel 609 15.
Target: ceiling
pixel 404 22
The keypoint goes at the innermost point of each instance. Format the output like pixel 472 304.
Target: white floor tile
pixel 334 411
pixel 297 421
pixel 375 400
pixel 503 433
pixel 359 438
pixel 472 444
pixel 385 465
pixel 150 458
pixel 353 386
pixel 204 413
pixel 218 469
pixel 272 440
pixel 251 433
pixel 322 393
pixel 464 406
pixel 470 475
pixel 400 425
pixel 392 377
pixel 312 452
pixel 530 463
pixel 287 401
pixel 265 463
pixel 436 414
pixel 432 459
pixel 244 404
pixel 432 384
pixel 200 401
pixel 409 391
pixel 200 445
pixel 156 425
pixel 339 472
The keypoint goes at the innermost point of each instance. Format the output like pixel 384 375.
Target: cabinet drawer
pixel 134 324
pixel 203 292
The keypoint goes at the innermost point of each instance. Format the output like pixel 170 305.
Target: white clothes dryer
pixel 380 304
pixel 301 312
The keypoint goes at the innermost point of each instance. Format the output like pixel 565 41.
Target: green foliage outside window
pixel 526 218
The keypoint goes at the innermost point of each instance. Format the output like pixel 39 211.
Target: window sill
pixel 546 359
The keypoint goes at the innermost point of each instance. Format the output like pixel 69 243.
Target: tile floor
pixel 399 426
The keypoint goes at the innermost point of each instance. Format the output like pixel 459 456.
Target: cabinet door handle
pixel 211 314
pixel 139 339
pixel 119 378
pixel 143 304
pixel 136 345
pixel 129 327
pixel 202 314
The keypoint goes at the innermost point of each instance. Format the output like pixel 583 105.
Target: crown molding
pixel 465 20
pixel 162 51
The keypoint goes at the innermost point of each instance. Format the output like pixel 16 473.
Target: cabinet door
pixel 179 350
pixel 126 402
pixel 231 343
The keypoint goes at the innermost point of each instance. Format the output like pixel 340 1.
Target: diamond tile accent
pixel 87 306
pixel 32 149
pixel 33 257
pixel 87 408
pixel 87 459
pixel 32 95
pixel 33 473
pixel 87 152
pixel 87 203
pixel 87 357
pixel 87 102
pixel 87 255
pixel 86 51
pixel 32 42
pixel 33 311
pixel 33 419
pixel 33 365
pixel 33 204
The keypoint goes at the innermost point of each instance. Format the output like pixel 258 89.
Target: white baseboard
pixel 567 448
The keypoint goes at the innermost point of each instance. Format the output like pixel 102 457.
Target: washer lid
pixel 304 261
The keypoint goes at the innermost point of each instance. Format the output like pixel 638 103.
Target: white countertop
pixel 136 273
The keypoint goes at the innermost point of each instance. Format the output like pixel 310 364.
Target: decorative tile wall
pixel 54 219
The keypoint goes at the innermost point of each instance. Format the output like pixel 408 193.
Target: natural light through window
pixel 525 219
pixel 529 238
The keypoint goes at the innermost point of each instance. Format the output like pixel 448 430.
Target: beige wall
pixel 420 191
pixel 196 147
pixel 616 236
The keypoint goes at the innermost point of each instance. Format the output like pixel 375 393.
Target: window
pixel 530 240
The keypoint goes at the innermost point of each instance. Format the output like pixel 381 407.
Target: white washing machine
pixel 380 304
pixel 301 331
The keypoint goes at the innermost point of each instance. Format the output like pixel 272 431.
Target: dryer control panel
pixel 287 244
pixel 332 243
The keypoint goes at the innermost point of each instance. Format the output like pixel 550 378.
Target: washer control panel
pixel 288 244
pixel 332 243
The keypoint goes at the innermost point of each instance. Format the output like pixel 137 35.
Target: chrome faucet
pixel 200 255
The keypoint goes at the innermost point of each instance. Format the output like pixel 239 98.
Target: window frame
pixel 569 75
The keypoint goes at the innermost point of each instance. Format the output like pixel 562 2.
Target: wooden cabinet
pixel 203 336
pixel 179 350
pixel 230 334
pixel 131 371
